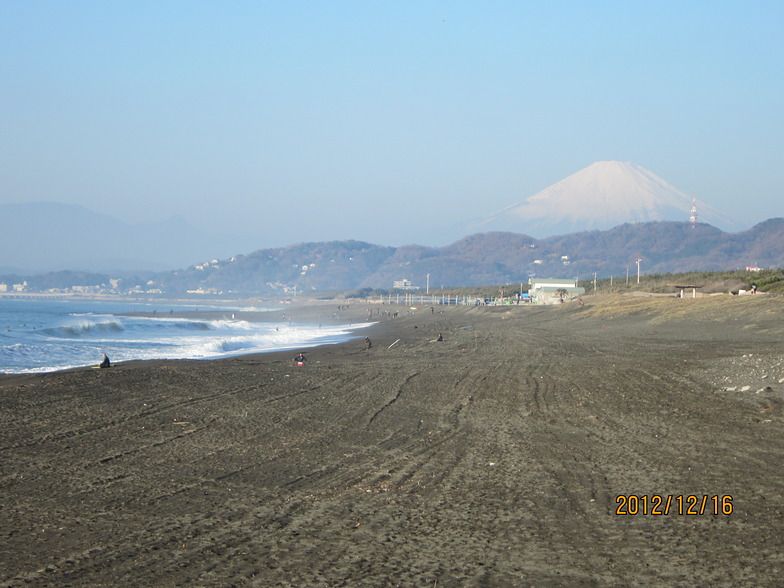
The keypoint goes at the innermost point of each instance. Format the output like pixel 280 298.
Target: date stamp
pixel 676 504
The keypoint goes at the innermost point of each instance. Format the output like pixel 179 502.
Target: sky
pixel 390 122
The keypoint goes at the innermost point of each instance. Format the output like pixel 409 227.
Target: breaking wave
pixel 80 339
pixel 84 328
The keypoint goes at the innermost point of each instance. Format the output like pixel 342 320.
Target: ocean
pixel 50 335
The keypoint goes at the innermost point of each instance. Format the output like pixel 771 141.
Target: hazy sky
pixel 382 121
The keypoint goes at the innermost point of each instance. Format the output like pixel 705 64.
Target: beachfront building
pixel 553 291
pixel 404 285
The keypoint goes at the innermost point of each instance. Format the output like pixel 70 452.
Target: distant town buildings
pixel 214 263
pixel 86 289
pixel 114 286
pixel 282 287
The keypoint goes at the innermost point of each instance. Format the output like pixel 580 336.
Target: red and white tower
pixel 693 217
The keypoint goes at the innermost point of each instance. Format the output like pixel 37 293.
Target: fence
pixel 407 299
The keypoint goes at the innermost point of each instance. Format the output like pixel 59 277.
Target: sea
pixel 55 334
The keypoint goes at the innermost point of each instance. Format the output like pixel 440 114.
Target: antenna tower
pixel 693 217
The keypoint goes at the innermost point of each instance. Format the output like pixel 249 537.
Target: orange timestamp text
pixel 680 504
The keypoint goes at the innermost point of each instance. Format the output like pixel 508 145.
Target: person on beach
pixel 300 359
pixel 105 363
pixel 368 344
pixel 440 337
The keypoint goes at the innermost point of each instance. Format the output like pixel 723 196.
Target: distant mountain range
pixel 487 258
pixel 45 236
pixel 49 236
pixel 633 215
pixel 480 259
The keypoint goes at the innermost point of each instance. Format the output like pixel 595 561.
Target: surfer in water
pixel 105 363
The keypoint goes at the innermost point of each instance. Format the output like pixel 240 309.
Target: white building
pixel 404 285
pixel 551 291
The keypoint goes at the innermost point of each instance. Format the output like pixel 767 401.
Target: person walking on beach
pixel 105 363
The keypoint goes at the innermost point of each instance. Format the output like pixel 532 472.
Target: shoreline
pixel 306 314
pixel 494 457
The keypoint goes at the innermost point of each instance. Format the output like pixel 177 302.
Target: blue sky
pixel 391 122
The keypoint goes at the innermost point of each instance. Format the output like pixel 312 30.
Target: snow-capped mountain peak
pixel 600 196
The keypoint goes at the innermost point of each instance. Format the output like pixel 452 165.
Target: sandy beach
pixel 507 454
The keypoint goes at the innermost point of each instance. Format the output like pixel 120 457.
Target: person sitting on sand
pixel 300 359
pixel 368 344
pixel 440 337
pixel 105 363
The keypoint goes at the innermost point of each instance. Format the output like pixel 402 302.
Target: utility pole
pixel 594 281
pixel 638 270
pixel 427 289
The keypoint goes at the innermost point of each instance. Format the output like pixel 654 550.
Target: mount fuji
pixel 603 195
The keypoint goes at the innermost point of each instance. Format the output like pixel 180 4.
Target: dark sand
pixel 493 458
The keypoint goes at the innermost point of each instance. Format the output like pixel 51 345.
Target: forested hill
pixel 487 258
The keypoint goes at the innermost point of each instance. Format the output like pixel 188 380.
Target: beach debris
pixel 393 344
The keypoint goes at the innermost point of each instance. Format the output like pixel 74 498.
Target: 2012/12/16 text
pixel 660 504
